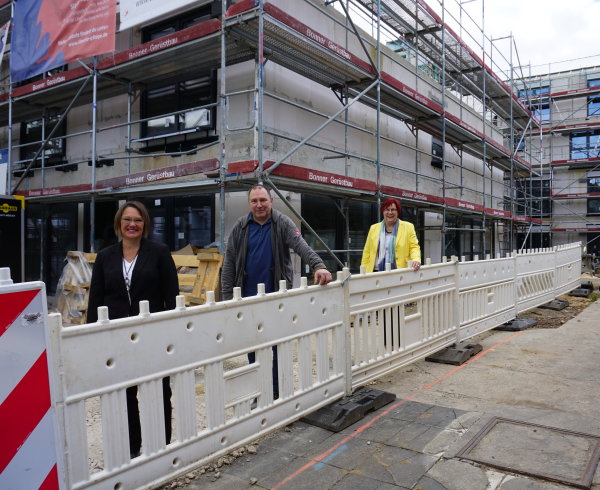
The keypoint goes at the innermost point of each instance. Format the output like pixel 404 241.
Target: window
pixel 324 216
pixel 594 100
pixel 593 203
pixel 437 152
pixel 541 205
pixel 33 134
pixel 182 220
pixel 533 197
pixel 537 101
pixel 187 94
pixel 585 144
pixel 166 104
pixel 459 241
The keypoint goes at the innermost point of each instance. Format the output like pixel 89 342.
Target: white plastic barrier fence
pixel 29 455
pixel 568 267
pixel 486 295
pixel 400 316
pixel 329 340
pixel 203 349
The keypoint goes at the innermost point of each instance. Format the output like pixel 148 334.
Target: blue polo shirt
pixel 259 258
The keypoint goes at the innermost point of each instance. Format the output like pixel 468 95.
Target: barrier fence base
pixel 455 354
pixel 580 292
pixel 517 324
pixel 587 285
pixel 340 414
pixel 556 304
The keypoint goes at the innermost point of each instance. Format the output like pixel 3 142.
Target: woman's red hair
pixel 387 203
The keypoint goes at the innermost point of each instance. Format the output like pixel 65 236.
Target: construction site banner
pixel 3 38
pixel 136 12
pixel 50 33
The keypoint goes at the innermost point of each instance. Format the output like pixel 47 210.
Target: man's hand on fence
pixel 416 265
pixel 322 277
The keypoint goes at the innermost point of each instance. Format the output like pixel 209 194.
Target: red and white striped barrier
pixel 29 458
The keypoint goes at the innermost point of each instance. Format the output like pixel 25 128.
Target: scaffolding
pixel 414 69
pixel 568 104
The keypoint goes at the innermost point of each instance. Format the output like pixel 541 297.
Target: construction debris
pixel 72 290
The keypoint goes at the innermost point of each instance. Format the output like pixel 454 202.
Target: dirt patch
pixel 547 318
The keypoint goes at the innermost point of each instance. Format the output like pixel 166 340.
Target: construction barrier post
pixel 29 456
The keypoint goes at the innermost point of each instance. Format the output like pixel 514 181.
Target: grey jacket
pixel 284 235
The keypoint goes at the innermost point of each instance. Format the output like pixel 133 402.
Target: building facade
pixel 334 106
pixel 566 149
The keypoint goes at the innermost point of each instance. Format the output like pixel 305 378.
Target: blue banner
pixel 50 33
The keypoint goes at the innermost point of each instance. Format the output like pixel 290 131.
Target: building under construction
pixel 566 151
pixel 336 105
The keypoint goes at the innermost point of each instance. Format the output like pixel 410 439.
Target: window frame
pixel 537 101
pixel 585 151
pixel 29 145
pixel 593 101
pixel 177 93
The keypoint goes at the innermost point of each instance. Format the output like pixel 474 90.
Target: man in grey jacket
pixel 258 251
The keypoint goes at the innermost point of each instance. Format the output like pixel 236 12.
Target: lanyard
pixel 127 275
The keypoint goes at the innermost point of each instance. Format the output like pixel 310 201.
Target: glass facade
pixel 585 144
pixel 537 101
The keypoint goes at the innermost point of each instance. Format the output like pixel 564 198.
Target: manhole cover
pixel 534 450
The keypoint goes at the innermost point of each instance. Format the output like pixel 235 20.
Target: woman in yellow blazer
pixel 391 240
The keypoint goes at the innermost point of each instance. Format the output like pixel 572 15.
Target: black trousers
pixel 274 371
pixel 133 416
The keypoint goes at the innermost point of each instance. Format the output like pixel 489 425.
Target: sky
pixel 547 33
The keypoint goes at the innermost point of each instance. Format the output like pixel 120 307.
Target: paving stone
pixel 316 476
pixel 394 465
pixel 224 482
pixel 383 429
pixel 261 465
pixel 440 416
pixel 441 442
pixel 427 483
pixel 409 410
pixel 522 483
pixel 297 439
pixel 353 481
pixel 414 436
pixel 457 475
pixel 348 454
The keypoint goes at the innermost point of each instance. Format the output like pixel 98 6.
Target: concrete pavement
pixel 546 377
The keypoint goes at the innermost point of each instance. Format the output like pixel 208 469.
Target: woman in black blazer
pixel 126 273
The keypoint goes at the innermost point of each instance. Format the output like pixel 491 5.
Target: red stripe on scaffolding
pixel 317 37
pixel 12 305
pixel 16 424
pixel 240 7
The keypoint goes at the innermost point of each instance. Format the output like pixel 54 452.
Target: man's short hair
pixel 260 186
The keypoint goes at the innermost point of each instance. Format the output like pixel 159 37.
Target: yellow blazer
pixel 407 246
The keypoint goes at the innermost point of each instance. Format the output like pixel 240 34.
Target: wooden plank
pixel 185 260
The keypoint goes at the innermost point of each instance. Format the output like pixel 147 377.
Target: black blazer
pixel 154 278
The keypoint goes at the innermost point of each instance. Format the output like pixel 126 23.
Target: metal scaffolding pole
pixel 223 127
pixel 94 156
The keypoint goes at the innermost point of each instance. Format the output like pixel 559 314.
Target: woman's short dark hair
pixel 141 209
pixel 387 203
